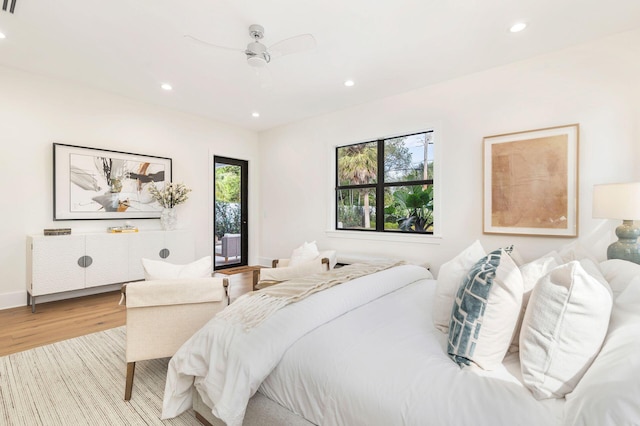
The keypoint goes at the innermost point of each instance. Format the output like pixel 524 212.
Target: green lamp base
pixel 626 248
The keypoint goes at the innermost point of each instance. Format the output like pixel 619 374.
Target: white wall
pixel 596 85
pixel 36 111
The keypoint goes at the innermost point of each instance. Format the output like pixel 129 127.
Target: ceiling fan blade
pixel 206 43
pixel 291 45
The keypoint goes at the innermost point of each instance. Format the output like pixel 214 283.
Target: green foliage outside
pixel 227 218
pixel 228 184
pixel 411 210
pixel 227 208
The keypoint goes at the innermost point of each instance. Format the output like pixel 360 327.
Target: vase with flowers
pixel 168 197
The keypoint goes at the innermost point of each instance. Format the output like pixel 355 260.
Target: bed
pixel 366 352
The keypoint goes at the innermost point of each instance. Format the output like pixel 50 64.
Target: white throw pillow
pixel 576 251
pixel 450 276
pixel 161 270
pixel 609 392
pixel 619 274
pixel 563 328
pixel 485 312
pixel 531 273
pixel 304 253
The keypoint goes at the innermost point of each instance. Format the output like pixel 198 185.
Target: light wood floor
pixel 65 319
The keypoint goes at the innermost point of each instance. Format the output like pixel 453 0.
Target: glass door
pixel 230 212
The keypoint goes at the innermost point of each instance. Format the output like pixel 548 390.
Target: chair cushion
pixel 270 276
pixel 161 270
pixel 174 292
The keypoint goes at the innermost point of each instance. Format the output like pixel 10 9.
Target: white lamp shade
pixel 617 201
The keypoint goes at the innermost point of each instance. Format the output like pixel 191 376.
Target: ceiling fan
pixel 259 55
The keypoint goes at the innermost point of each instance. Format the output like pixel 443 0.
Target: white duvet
pixel 362 353
pixel 385 364
pixel 229 364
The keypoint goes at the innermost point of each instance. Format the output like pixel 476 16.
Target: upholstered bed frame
pixel 261 411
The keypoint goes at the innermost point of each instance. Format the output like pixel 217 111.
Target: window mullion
pixel 380 188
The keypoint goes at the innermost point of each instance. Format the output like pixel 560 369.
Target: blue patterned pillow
pixel 485 311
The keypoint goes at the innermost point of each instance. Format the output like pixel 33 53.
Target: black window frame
pixel 380 185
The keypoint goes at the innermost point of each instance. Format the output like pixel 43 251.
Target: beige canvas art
pixel 529 183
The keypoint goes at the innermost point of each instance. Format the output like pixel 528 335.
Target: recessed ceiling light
pixel 255 114
pixel 2 36
pixel 517 27
pixel 166 86
pixel 349 83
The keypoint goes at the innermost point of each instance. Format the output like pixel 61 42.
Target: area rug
pixel 81 382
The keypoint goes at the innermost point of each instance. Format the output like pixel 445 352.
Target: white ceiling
pixel 130 47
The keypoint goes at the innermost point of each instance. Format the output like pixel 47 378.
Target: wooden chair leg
pixel 131 369
pixel 255 278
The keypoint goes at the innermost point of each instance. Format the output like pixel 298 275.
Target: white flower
pixel 171 195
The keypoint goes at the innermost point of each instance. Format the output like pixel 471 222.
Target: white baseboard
pixel 13 300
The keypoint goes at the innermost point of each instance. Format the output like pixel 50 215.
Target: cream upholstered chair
pixel 281 269
pixel 163 314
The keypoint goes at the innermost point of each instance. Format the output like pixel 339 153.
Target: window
pixel 386 185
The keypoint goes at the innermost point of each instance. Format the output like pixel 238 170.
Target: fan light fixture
pixel 257 61
pixel 256 52
pixel 258 55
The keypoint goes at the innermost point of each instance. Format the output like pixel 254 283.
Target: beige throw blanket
pixel 253 308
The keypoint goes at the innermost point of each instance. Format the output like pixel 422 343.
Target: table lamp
pixel 620 201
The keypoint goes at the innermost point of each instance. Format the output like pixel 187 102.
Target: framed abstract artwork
pixel 531 182
pixel 94 183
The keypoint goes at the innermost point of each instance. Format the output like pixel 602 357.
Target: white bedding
pixel 362 353
pixel 229 363
pixel 385 364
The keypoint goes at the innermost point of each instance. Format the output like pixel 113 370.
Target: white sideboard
pixel 62 263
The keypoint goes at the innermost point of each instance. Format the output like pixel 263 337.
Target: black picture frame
pixel 93 184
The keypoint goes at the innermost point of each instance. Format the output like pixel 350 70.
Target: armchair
pixel 163 314
pixel 228 246
pixel 281 271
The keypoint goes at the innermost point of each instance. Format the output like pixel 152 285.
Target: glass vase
pixel 168 219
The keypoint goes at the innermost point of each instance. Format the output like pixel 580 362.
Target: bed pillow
pixel 531 273
pixel 450 277
pixel 161 270
pixel 563 328
pixel 304 253
pixel 485 312
pixel 619 273
pixel 575 251
pixel 609 392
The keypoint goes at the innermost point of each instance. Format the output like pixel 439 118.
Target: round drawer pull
pixel 164 253
pixel 85 261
